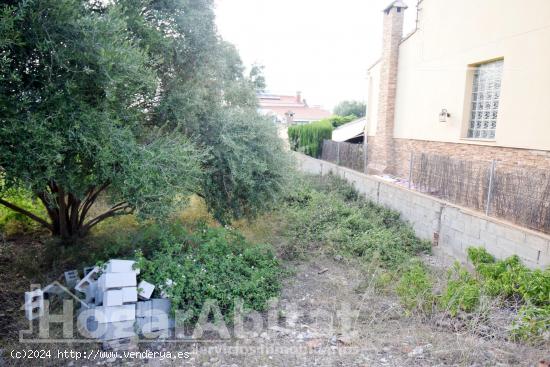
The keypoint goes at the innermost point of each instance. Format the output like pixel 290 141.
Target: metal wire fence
pixel 344 154
pixel 520 194
pixel 461 182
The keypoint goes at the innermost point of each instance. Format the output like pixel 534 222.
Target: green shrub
pixel 332 184
pixel 331 216
pixel 532 324
pixel 415 289
pixel 478 255
pixel 337 120
pixel 213 264
pixel 510 278
pixel 308 138
pixel 462 292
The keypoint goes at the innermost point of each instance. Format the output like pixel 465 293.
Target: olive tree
pixel 204 94
pixel 136 101
pixel 348 108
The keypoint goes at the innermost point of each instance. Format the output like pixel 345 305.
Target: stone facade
pixel 382 158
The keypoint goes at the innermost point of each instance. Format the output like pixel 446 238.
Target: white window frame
pixel 485 97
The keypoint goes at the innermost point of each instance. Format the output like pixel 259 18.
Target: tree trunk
pixel 68 213
pixel 63 216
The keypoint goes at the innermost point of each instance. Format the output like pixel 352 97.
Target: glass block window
pixel 485 100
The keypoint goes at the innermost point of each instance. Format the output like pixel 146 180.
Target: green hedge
pixel 336 120
pixel 308 139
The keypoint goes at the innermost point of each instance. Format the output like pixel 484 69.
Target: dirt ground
pixel 380 333
pixel 329 314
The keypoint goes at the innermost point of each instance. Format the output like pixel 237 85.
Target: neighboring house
pixel 290 109
pixel 471 82
pixel 352 132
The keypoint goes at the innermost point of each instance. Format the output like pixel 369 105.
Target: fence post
pixel 338 153
pixel 490 188
pixel 410 168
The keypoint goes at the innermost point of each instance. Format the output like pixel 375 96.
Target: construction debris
pixel 145 290
pixel 110 294
pixel 71 278
pixel 88 269
pixel 91 277
pixel 34 304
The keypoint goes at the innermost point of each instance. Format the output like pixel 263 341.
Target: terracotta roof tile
pixel 301 113
pixel 279 105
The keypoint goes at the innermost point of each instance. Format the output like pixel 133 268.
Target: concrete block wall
pixel 453 228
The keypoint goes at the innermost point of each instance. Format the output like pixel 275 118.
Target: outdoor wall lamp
pixel 443 115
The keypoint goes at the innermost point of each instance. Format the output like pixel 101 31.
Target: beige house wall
pixel 372 98
pixel 434 71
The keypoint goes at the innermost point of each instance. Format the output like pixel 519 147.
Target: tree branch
pixel 27 213
pixel 52 211
pixel 74 204
pixel 90 200
pixel 113 211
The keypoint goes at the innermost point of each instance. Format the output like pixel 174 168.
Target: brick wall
pixel 505 156
pixel 392 33
pixel 456 228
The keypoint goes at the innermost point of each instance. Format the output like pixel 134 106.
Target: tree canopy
pixel 138 101
pixel 347 108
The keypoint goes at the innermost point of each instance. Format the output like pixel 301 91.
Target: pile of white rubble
pixel 116 305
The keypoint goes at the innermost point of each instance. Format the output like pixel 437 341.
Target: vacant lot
pixel 341 262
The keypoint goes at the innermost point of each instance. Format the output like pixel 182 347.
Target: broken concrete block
pixel 117 280
pixel 153 318
pixel 71 278
pixel 160 306
pixel 113 297
pixel 87 280
pixel 34 304
pixel 143 309
pixel 142 324
pixel 119 330
pixel 160 322
pixel 91 292
pixel 145 289
pixel 154 327
pixel 121 266
pixel 129 294
pixel 53 288
pixel 104 314
pixel 99 295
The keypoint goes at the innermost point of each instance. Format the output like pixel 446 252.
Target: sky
pixel 322 48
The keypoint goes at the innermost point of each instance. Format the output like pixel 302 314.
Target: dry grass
pixel 196 211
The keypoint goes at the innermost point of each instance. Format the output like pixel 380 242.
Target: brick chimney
pixel 298 97
pixel 382 160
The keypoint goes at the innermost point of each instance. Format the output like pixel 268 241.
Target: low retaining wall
pixel 451 227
